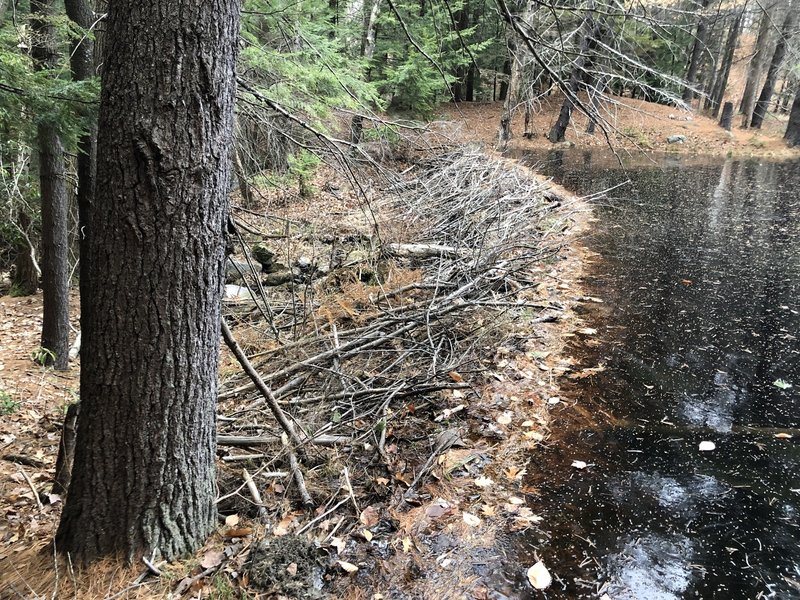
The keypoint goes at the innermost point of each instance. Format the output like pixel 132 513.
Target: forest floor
pixel 635 125
pixel 419 497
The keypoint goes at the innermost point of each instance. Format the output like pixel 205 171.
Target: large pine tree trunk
pixel 697 52
pixel 792 135
pixel 143 475
pixel 762 104
pixel 55 207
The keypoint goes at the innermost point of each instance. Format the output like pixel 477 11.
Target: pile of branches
pixel 477 226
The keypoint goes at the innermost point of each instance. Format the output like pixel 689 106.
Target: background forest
pixel 342 68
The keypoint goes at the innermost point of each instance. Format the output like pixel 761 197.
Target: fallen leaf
pixel 292 569
pixel 369 516
pixel 283 526
pixel 471 519
pixel 484 482
pixel 586 331
pixel 554 400
pixel 707 446
pixel 347 567
pixel 514 473
pixel 516 500
pixel 528 423
pixel 534 435
pixel 783 436
pixel 579 464
pixel 686 282
pixel 367 534
pixel 488 510
pixel 381 481
pixel 539 576
pixel 407 545
pixel 338 543
pixel 504 418
pixel 239 532
pixel 213 558
pixel 780 383
pixel 458 394
pixel 437 508
pixel 232 520
pixel 455 376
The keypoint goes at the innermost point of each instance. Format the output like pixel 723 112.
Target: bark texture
pixel 55 207
pixel 143 474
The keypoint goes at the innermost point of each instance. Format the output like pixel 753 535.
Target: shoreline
pixel 641 127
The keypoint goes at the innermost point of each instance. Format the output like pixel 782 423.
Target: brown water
pixel 701 281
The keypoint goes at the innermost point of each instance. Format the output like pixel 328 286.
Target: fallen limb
pixel 277 411
pixel 319 440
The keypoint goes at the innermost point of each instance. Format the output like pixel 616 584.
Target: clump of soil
pixel 286 566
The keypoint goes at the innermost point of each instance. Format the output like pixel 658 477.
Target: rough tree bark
pixel 698 48
pixel 55 207
pixel 589 30
pixel 792 135
pixel 765 97
pixel 143 475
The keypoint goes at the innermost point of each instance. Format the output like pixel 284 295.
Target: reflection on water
pixel 701 278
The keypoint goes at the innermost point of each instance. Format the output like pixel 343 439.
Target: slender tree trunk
pixel 792 135
pixel 698 48
pixel 757 63
pixel 472 76
pixel 721 83
pixel 3 7
pixel 143 475
pixel 505 81
pixel 26 277
pixel 55 207
pixel 589 29
pixel 516 60
pixel 82 65
pixel 367 51
pixel 762 104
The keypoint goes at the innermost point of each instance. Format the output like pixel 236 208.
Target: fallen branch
pixel 319 440
pixel 277 411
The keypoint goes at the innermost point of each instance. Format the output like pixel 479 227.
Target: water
pixel 700 277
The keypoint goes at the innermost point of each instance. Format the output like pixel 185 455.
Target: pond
pixel 700 280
